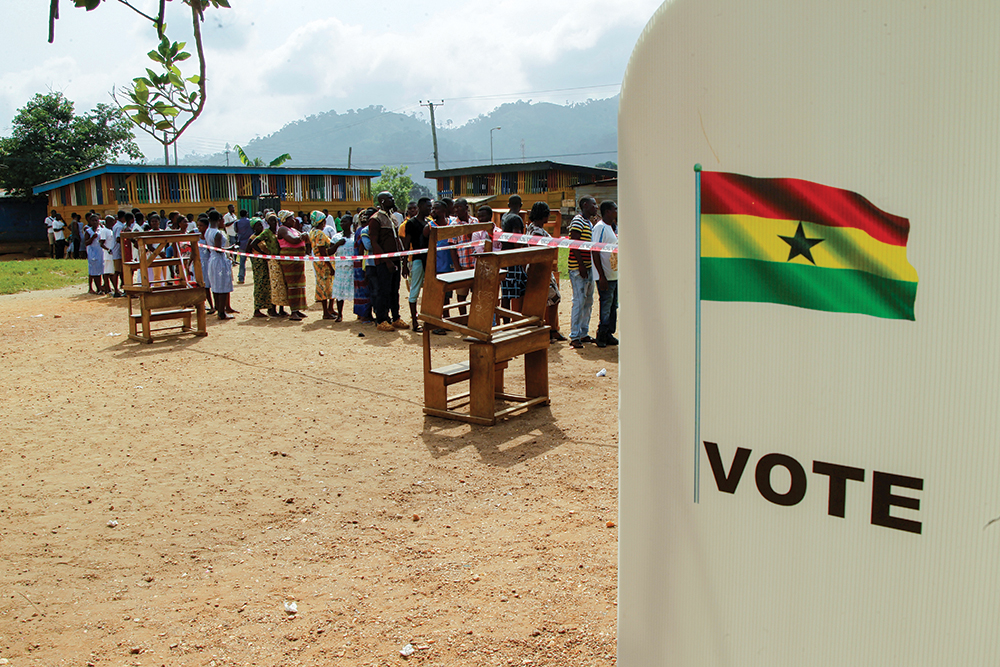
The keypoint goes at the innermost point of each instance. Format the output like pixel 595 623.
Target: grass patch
pixel 564 263
pixel 35 274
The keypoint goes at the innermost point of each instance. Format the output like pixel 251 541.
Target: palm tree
pixel 258 162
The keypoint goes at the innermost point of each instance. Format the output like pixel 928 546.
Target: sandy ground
pixel 275 462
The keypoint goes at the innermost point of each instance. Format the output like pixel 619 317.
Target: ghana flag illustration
pixel 793 242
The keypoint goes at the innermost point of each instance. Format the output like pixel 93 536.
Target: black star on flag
pixel 800 245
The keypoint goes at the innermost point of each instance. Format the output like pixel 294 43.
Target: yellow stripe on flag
pixel 750 237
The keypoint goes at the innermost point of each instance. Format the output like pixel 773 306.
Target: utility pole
pixel 434 134
pixel 349 150
pixel 227 153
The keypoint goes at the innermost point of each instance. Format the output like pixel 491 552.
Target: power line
pixel 534 92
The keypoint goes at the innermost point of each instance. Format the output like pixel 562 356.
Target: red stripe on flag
pixel 794 199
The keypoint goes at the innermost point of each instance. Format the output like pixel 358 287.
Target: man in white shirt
pixel 59 237
pixel 230 219
pixel 49 221
pixel 606 273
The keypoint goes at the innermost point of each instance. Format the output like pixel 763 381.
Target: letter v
pixel 727 483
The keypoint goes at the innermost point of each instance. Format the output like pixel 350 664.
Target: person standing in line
pixel 116 250
pixel 291 242
pixel 261 274
pixel 206 258
pixel 75 236
pixel 244 230
pixel 343 274
pixel 59 237
pixel 362 294
pixel 95 255
pixel 322 247
pixel 415 239
pixel 230 219
pixel 106 242
pixel 463 258
pixel 537 218
pixel 580 229
pixel 606 274
pixel 220 269
pixel 268 238
pixel 383 239
pixel 49 221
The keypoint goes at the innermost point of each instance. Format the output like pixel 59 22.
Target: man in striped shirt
pixel 579 264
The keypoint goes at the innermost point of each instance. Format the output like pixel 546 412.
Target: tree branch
pixel 53 15
pixel 197 17
pixel 143 14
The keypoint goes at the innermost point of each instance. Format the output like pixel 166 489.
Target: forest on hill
pixel 585 133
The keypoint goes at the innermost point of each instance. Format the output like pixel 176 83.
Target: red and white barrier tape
pixel 498 238
pixel 548 241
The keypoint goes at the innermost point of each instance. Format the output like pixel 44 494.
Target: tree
pixel 419 191
pixel 162 106
pixel 259 162
pixel 50 141
pixel 607 165
pixel 394 180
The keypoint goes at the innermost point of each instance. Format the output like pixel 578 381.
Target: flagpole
pixel 697 333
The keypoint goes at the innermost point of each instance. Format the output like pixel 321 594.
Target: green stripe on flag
pixel 806 286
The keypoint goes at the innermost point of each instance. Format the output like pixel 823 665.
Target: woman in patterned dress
pixel 291 242
pixel 322 247
pixel 261 273
pixel 279 294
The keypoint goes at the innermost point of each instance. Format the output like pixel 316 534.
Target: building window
pixel 508 183
pixel 538 182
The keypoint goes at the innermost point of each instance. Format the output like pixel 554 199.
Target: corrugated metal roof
pixel 521 166
pixel 188 169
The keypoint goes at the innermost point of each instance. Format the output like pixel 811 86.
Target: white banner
pixel 809 465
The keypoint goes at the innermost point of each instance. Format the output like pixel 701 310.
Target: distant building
pixel 188 189
pixel 551 182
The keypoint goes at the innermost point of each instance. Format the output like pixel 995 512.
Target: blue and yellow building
pixel 190 189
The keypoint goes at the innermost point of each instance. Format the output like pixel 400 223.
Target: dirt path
pixel 275 462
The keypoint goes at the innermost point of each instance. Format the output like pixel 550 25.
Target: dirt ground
pixel 273 463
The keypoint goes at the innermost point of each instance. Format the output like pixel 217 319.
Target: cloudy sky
pixel 271 62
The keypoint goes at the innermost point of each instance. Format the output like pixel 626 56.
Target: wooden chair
pixel 161 300
pixel 491 347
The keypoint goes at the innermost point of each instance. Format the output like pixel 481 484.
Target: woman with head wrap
pixel 268 241
pixel 261 274
pixel 291 243
pixel 321 246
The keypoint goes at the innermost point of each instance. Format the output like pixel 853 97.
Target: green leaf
pixel 153 55
pixel 142 119
pixel 194 79
pixel 280 160
pixel 221 3
pixel 170 111
pixel 141 92
pixel 177 81
pixel 183 55
pixel 164 125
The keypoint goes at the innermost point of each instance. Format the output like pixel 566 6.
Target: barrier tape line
pixel 497 238
pixel 564 242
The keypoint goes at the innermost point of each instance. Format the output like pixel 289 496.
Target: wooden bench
pixel 162 300
pixel 491 347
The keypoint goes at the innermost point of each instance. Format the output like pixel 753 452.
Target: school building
pixel 188 189
pixel 551 182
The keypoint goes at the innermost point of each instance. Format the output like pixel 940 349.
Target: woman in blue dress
pixel 95 256
pixel 206 256
pixel 220 267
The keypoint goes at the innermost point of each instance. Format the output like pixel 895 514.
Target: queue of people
pixel 372 283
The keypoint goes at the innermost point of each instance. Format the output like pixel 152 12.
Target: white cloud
pixel 271 63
